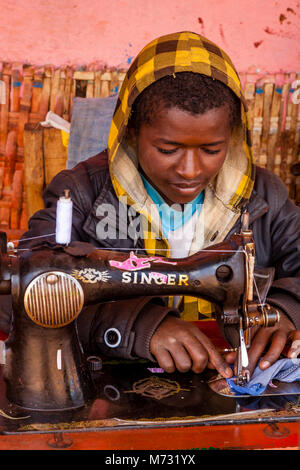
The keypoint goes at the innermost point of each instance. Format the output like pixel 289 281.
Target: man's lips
pixel 187 186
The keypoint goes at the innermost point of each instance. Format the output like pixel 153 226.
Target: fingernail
pixel 294 353
pixel 264 364
pixel 228 372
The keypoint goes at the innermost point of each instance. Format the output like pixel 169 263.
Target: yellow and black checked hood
pixel 166 55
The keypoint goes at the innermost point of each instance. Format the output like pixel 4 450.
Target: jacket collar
pixel 117 222
pixel 257 206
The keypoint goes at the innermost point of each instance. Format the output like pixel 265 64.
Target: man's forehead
pixel 174 124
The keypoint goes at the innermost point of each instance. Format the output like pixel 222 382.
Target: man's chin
pixel 173 200
pixel 184 194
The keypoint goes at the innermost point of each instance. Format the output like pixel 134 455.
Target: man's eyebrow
pixel 213 143
pixel 171 142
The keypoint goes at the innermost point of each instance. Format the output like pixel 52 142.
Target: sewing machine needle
pixel 243 361
pixel 243 349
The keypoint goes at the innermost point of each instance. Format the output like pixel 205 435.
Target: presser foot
pixel 243 378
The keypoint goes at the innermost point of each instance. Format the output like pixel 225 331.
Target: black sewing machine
pixel 46 368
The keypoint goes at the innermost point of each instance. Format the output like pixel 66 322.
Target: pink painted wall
pixel 257 34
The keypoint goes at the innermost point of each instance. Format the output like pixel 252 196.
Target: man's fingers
pixel 198 354
pixel 277 345
pixel 257 348
pixel 294 349
pixel 164 359
pixel 220 365
pixel 173 356
pixel 230 358
pixel 181 358
pixel 214 357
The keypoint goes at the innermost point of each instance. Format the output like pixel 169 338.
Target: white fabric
pixel 180 240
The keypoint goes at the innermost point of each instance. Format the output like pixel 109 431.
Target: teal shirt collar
pixel 172 219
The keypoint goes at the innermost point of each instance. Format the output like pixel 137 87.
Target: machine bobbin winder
pixel 45 366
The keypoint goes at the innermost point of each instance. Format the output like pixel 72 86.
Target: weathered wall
pixel 257 34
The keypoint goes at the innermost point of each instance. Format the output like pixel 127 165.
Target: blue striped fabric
pixel 284 370
pixel 90 124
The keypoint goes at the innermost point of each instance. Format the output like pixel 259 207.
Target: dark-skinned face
pixel 180 153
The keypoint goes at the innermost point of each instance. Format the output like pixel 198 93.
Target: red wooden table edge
pixel 220 437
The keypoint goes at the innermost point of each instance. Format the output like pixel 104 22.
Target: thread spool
pixel 64 211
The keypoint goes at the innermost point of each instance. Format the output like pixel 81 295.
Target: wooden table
pixel 137 407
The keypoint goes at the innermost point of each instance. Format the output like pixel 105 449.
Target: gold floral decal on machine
pixel 156 387
pixel 90 275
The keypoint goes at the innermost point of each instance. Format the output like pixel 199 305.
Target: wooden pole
pixel 291 126
pixel 54 89
pixel 105 84
pixel 284 134
pixel 16 199
pixel 273 129
pixel 90 87
pixel 114 84
pixel 37 90
pixel 1 181
pixel 73 94
pixel 67 94
pixel 267 104
pixel 297 151
pixel 34 168
pixel 25 103
pixel 257 123
pixel 4 107
pixel 23 216
pixel 16 82
pixel 55 154
pixel 46 92
pixel 4 217
pixel 10 157
pixel 97 85
pixel 59 100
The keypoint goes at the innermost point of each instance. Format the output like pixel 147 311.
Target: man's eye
pixel 211 152
pixel 166 152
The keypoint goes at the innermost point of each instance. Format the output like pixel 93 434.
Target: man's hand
pixel 178 344
pixel 273 340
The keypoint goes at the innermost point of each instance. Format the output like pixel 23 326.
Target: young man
pixel 179 135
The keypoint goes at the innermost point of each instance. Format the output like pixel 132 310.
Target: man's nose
pixel 189 166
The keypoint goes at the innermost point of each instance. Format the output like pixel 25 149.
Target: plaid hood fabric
pixel 232 187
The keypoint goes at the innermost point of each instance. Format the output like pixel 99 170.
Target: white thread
pixel 126 249
pixel 166 249
pixel 136 249
pixel 58 359
pixel 257 292
pixel 32 238
pixel 64 220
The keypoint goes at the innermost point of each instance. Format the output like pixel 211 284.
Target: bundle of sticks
pixel 274 111
pixel 30 155
pixel 27 93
